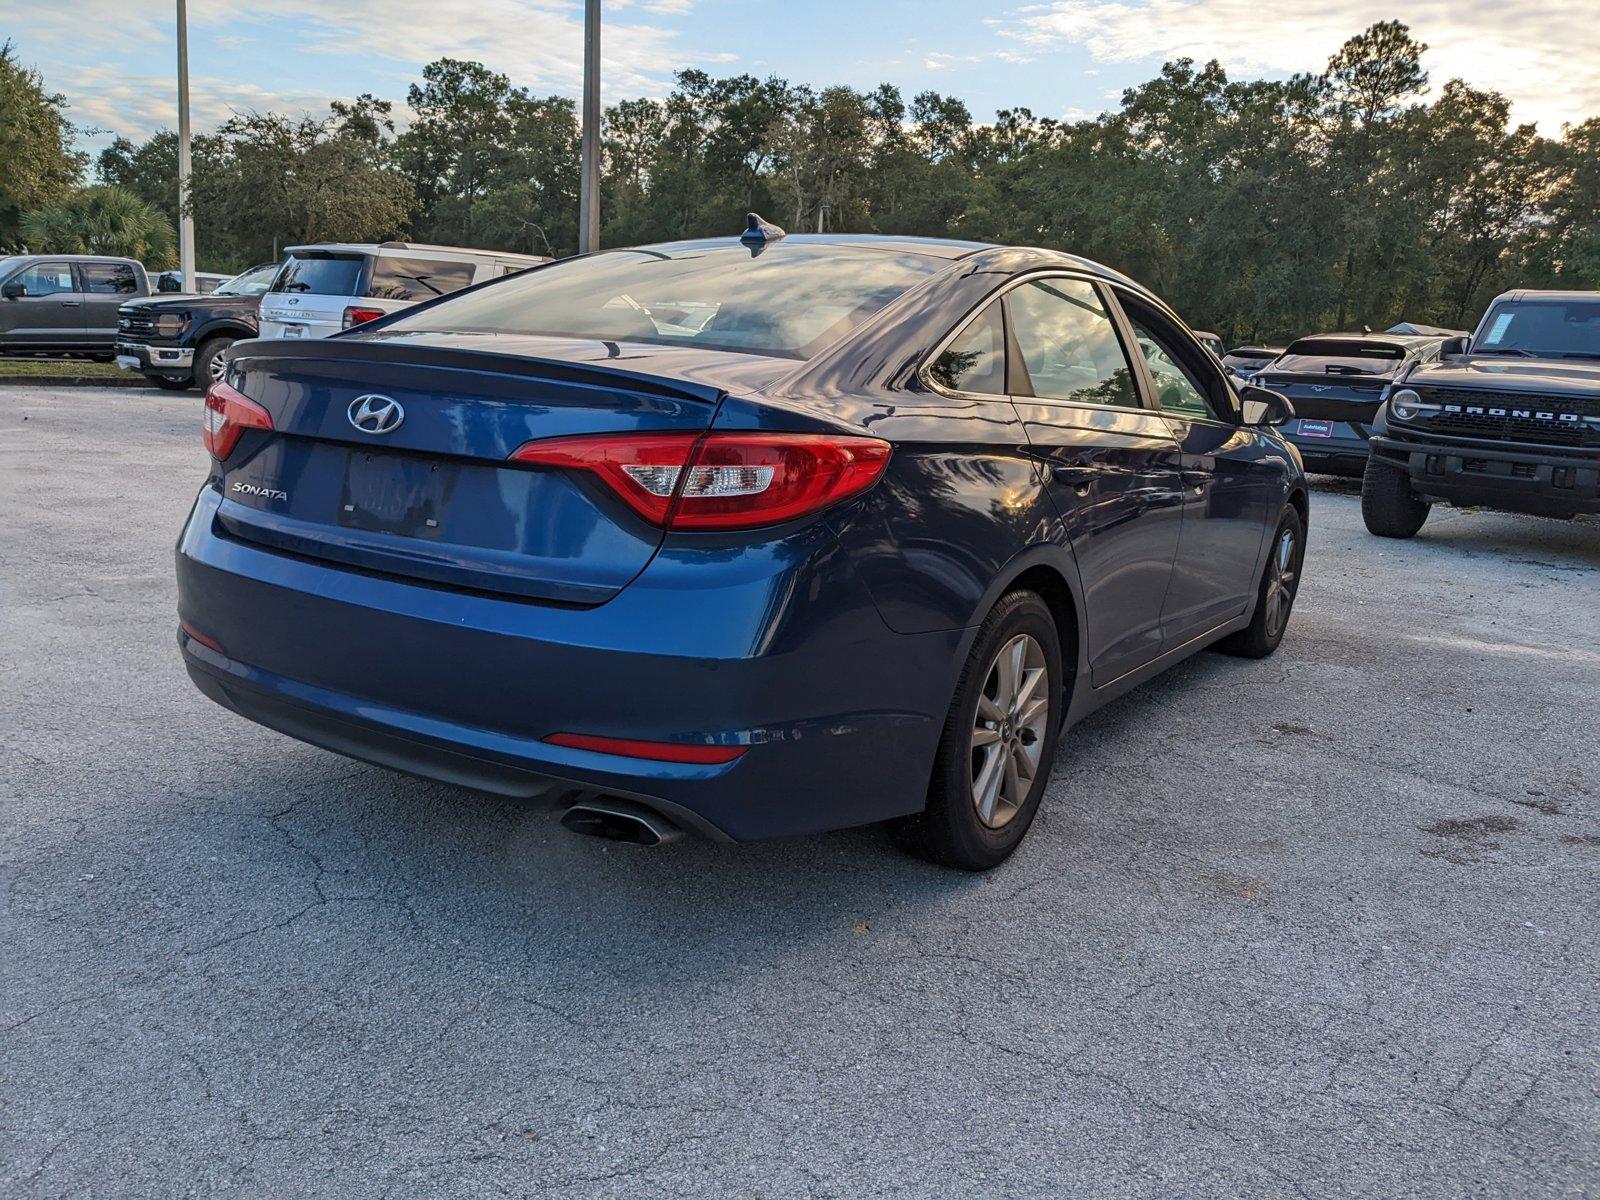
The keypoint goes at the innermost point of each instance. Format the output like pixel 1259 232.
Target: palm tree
pixel 101 220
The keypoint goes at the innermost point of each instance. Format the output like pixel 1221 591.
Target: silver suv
pixel 336 285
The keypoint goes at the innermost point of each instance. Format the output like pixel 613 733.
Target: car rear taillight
pixel 356 315
pixel 720 480
pixel 229 412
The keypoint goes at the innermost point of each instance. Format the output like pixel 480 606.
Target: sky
pixel 113 59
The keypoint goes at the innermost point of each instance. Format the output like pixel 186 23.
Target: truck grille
pixel 135 325
pixel 1515 417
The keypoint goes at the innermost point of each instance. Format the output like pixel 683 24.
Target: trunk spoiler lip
pixel 271 352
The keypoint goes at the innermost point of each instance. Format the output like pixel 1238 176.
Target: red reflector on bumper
pixel 194 634
pixel 678 752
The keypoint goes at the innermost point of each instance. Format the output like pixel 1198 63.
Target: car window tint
pixel 976 360
pixel 787 298
pixel 416 278
pixel 320 274
pixel 46 279
pixel 1069 345
pixel 114 279
pixel 1177 388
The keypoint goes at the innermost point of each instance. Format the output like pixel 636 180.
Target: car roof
pixel 77 258
pixel 1403 340
pixel 951 248
pixel 1536 294
pixel 414 248
pixel 980 255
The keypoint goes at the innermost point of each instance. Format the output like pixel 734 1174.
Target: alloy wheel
pixel 217 368
pixel 1281 572
pixel 1008 732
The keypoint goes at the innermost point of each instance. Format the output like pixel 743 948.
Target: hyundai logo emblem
pixel 376 414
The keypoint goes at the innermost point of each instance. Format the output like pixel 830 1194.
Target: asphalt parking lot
pixel 1322 925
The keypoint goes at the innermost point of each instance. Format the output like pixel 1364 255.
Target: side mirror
pixel 14 291
pixel 1454 347
pixel 1262 406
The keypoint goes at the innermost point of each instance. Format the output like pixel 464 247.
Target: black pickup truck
pixel 178 341
pixel 1507 419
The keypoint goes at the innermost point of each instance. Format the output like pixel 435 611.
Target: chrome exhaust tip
pixel 619 820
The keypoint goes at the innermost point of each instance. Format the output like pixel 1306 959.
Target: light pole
pixel 185 217
pixel 589 185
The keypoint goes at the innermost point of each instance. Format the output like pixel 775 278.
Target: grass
pixel 57 368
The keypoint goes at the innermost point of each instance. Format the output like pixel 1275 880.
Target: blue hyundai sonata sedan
pixel 746 537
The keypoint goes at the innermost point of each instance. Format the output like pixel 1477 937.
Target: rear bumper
pixel 1342 452
pixel 839 715
pixel 271 328
pixel 1528 479
pixel 159 360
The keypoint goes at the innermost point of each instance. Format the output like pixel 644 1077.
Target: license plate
pixel 294 331
pixel 127 362
pixel 1316 429
pixel 390 493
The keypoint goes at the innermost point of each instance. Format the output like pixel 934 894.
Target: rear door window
pixel 417 278
pixel 976 360
pixel 113 279
pixel 322 275
pixel 1069 345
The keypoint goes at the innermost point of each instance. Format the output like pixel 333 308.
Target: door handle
pixel 70 303
pixel 1197 479
pixel 1074 472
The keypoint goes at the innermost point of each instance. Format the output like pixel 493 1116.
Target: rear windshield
pixel 1338 356
pixel 790 299
pixel 321 274
pixel 1543 328
pixel 416 278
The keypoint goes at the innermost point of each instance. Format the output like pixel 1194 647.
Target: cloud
pixel 538 43
pixel 937 61
pixel 105 98
pixel 1544 57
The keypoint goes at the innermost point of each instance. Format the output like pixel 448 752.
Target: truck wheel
pixel 1280 583
pixel 208 361
pixel 1388 505
pixel 999 741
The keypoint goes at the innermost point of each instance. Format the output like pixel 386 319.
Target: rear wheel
pixel 1280 582
pixel 209 362
pixel 999 741
pixel 1388 505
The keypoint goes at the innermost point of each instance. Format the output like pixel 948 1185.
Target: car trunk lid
pixel 392 456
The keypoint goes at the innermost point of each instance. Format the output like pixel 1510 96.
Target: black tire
pixel 170 383
pixel 950 830
pixel 208 354
pixel 1275 594
pixel 1388 505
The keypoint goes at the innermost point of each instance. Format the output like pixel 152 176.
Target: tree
pixel 493 165
pixel 268 181
pixel 101 220
pixel 37 163
pixel 148 170
pixel 1264 209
